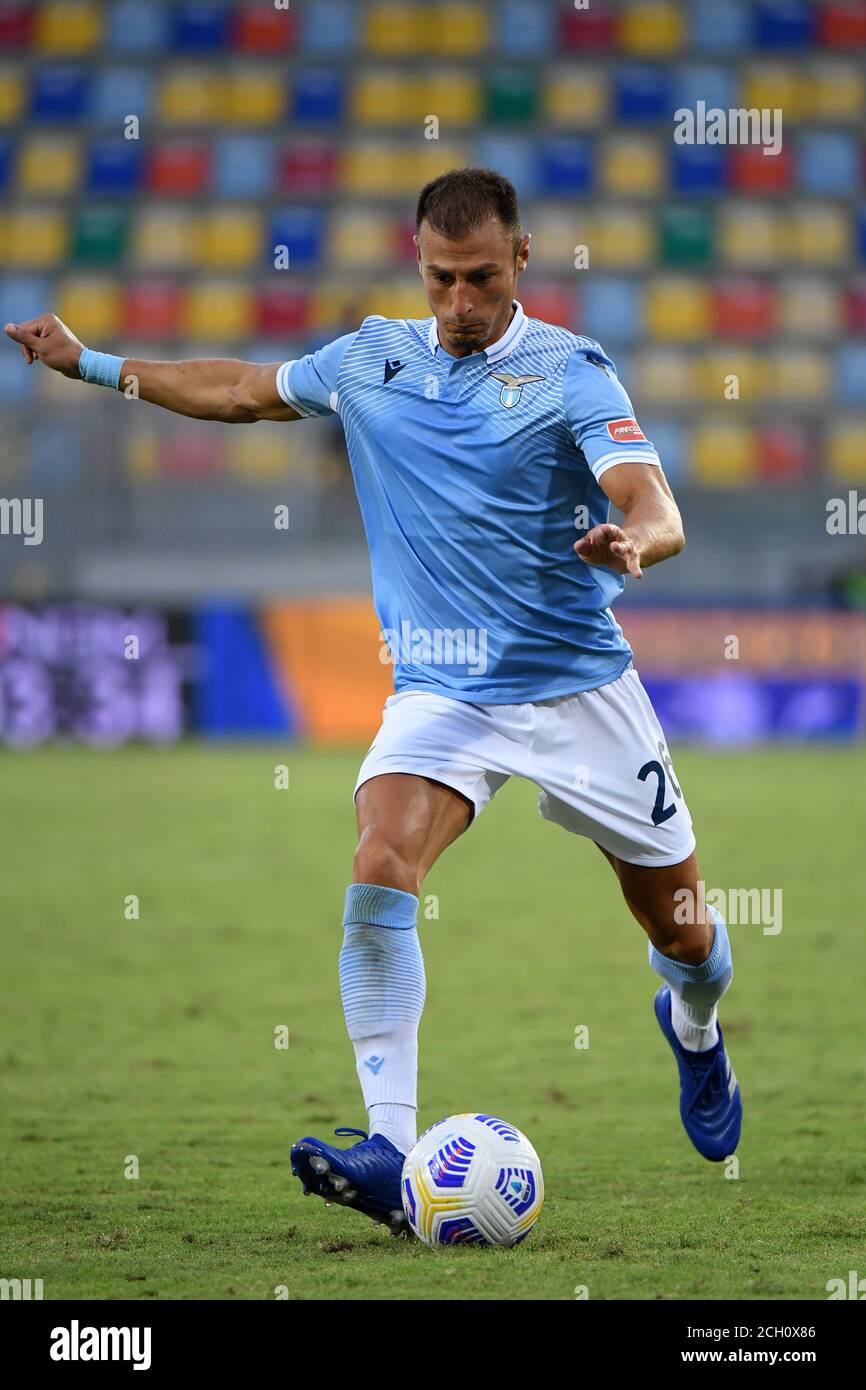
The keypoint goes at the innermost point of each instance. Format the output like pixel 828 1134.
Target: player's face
pixel 470 284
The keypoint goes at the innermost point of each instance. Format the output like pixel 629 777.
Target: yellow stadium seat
pixel 651 29
pixel 837 91
pixel 166 238
pixel 818 234
pixel 799 374
pixel 11 95
pixel 776 85
pixel 67 27
pixel 397 299
pixel 359 237
pixel 36 237
pixel 191 96
pixel 252 96
pixel 230 238
pixel 92 304
pixel 662 376
pixel 385 98
pixel 724 452
pixel 556 232
pixel 217 309
pixel 750 235
pixel 678 309
pixel 49 165
pixel 259 455
pixel 631 166
pixel 454 97
pixel 373 167
pixel 459 30
pixel 846 448
pixel 142 454
pixel 575 96
pixel 335 303
pixel 730 374
pixel 623 238
pixel 396 29
pixel 810 308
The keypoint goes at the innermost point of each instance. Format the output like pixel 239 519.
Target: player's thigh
pixel 404 823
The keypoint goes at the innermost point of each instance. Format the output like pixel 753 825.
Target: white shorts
pixel 599 758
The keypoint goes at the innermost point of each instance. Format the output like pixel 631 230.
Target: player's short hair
pixel 457 203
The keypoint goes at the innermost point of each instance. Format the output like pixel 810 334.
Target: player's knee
pixel 379 860
pixel 688 943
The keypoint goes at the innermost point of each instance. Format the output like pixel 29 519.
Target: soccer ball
pixel 472 1180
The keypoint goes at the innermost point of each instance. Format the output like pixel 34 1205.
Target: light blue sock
pixel 700 985
pixel 383 987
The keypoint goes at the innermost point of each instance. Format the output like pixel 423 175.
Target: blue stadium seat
pixel 698 168
pixel 720 26
pixel 319 95
pixel 302 230
pixel 784 24
pixel 329 27
pixel 7 149
pixel 668 439
pixel 861 233
pixel 137 26
pixel 828 163
pixel 243 166
pixel 524 31
pixel 612 309
pixel 59 93
pixel 119 92
pixel 17 380
pixel 565 165
pixel 694 82
pixel 23 297
pixel 514 156
pixel 851 374
pixel 199 26
pixel 642 93
pixel 113 165
pixel 56 457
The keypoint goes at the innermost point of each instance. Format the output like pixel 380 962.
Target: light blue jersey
pixel 475 476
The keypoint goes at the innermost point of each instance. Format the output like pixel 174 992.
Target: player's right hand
pixel 47 340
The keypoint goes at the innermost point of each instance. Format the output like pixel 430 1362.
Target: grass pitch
pixel 153 1038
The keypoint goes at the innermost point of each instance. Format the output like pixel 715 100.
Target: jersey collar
pixel 496 351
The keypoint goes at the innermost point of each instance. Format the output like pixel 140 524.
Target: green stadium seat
pixel 99 234
pixel 512 96
pixel 686 235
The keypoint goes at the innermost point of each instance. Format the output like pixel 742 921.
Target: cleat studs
pixel 338 1183
pixel 319 1165
pixel 349 1195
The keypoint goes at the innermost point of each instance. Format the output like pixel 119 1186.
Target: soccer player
pixel 479 439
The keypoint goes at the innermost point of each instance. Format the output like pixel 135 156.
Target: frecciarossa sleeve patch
pixel 624 431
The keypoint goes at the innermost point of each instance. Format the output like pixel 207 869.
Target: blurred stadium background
pixel 154 155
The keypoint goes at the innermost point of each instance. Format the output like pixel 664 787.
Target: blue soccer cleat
pixel 365 1177
pixel 711 1108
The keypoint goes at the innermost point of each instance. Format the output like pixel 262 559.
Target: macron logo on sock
pixel 374 1063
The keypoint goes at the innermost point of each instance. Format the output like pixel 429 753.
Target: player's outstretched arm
pixel 220 388
pixel 652 530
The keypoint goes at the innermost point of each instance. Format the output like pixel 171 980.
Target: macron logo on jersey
pixel 393 365
pixel 623 431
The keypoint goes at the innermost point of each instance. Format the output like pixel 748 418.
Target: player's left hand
pixel 608 545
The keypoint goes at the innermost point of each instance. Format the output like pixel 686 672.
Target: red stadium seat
pixel 404 245
pixel 191 453
pixel 16 26
pixel 152 309
pixel 843 25
pixel 586 29
pixel 752 171
pixel 856 308
pixel 307 168
pixel 785 451
pixel 262 29
pixel 743 309
pixel 554 303
pixel 281 310
pixel 180 166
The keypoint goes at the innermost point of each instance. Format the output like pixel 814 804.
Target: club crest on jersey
pixel 512 387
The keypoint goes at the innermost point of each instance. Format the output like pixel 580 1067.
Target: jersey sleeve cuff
pixel 284 391
pixel 601 465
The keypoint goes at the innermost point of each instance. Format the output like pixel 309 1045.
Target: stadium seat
pixel 330 27
pixel 750 235
pixel 842 24
pixel 16 25
pixel 846 448
pixel 799 375
pixel 190 95
pixel 512 96
pixel 575 97
pixel 11 95
pixel 218 310
pixel 301 231
pixel 18 384
pixel 261 459
pixel 455 97
pixel 685 235
pixel 385 97
pixel 694 82
pixel 261 28
pixel 622 239
pixel 837 91
pixel 514 155
pixel 307 166
pixel 524 31
pixel 23 297
pixel 180 167
pixel 631 166
pixel 642 93
pixel 720 27
pixel 458 30
pixel 698 168
pixel 166 238
pixel 35 238
pixel 403 244
pixel 336 306
pixel 786 452
pixel 612 309
pixel 399 299
pixel 588 29
pixel 359 237
pixel 651 28
pixel 137 26
pixel 244 166
pixel 552 302
pixel 199 26
pixel 783 24
pixel 677 309
pixel 230 237
pixel 660 376
pixel 855 307
pixel 724 453
pixel 7 149
pixel 851 374
pixel 395 30
pixel 282 311
pixel 743 309
pixel 49 166
pixel 318 96
pixel 92 305
pixel 810 308
pixel 59 93
pixel 818 234
pixel 99 234
pixel 142 453
pixel 118 92
pixel 669 441
pixel 860 233
pixel 730 373
pixel 114 165
pixel 191 453
pixel 152 309
pixel 555 232
pixel 565 166
pixel 771 86
pixel 752 171
pixel 372 167
pixel 55 457
pixel 253 96
pixel 67 28
pixel 829 163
